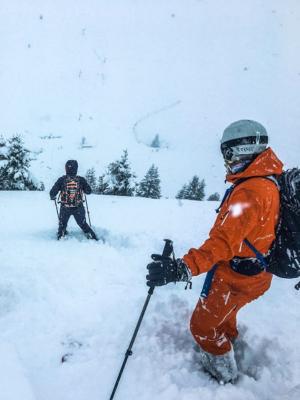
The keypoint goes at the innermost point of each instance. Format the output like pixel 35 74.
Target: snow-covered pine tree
pixel 214 197
pixel 120 177
pixel 15 175
pixel 102 186
pixel 182 192
pixel 2 148
pixel 2 158
pixel 194 190
pixel 150 184
pixel 91 179
pixel 156 142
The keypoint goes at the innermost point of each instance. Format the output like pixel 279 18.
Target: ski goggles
pixel 239 149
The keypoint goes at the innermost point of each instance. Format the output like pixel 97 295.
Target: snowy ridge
pixel 119 73
pixel 82 299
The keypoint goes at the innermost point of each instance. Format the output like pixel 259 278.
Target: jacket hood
pixel 267 163
pixel 71 167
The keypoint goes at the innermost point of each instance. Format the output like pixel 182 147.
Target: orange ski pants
pixel 213 323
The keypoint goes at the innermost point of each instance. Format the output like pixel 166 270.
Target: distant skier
pixel 71 188
pixel 249 212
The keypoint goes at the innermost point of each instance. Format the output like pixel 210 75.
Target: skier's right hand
pixel 164 270
pixel 53 198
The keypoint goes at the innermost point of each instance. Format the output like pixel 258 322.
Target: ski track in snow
pixel 81 299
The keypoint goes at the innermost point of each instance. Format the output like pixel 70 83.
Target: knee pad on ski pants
pixel 213 323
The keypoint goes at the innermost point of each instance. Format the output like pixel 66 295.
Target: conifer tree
pixel 2 141
pixel 2 148
pixel 120 177
pixel 102 186
pixel 91 179
pixel 150 185
pixel 214 197
pixel 182 192
pixel 15 175
pixel 156 142
pixel 194 190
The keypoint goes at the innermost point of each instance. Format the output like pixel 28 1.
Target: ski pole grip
pixel 167 252
pixel 168 249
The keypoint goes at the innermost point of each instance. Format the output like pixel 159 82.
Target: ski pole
pixel 87 209
pixel 56 209
pixel 57 202
pixel 168 250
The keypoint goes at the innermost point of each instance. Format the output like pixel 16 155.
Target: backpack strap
pixel 228 193
pixel 260 257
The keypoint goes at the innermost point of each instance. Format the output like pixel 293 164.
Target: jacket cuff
pixel 192 266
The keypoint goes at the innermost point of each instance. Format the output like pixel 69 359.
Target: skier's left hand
pixel 164 270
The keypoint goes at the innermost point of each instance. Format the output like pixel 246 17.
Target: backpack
pixel 71 194
pixel 284 257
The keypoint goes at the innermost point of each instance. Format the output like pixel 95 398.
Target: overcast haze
pixel 184 70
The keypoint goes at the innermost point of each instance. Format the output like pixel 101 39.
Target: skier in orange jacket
pixel 250 212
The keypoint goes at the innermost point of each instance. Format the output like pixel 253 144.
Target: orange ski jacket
pixel 250 212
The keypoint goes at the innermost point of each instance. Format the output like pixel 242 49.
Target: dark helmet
pixel 243 139
pixel 71 167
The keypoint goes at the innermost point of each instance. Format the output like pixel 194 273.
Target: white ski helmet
pixel 243 140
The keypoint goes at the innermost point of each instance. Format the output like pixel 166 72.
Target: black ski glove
pixel 165 270
pixel 53 198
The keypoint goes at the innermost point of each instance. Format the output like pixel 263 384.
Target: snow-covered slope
pixel 81 299
pixel 120 72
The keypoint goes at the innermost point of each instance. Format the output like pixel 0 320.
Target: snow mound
pixel 68 309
